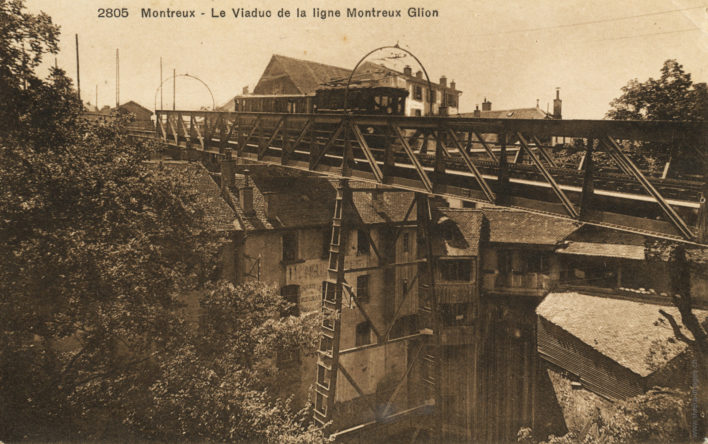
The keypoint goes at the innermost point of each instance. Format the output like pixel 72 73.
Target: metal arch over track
pixel 450 156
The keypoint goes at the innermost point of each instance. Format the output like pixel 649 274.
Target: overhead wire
pixel 589 22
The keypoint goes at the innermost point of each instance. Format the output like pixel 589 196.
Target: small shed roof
pixel 521 227
pixel 620 251
pixel 625 331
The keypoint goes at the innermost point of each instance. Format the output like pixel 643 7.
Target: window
pixel 363 334
pixel 417 92
pixel 362 242
pixel 451 100
pixel 418 113
pixel 537 262
pixel 404 287
pixel 325 243
pixel 362 288
pixel 289 246
pixel 406 242
pixel 505 261
pixel 456 270
pixel 291 293
pixel 432 96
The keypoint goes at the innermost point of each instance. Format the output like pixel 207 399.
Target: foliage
pixel 673 96
pixel 99 250
pixel 659 415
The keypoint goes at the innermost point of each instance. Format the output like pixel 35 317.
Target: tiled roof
pixel 521 227
pixel 217 213
pixel 301 201
pixel 457 232
pixel 135 104
pixel 389 206
pixel 625 331
pixel 621 251
pixel 518 113
pixel 294 201
pixel 306 75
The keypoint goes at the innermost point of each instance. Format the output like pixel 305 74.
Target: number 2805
pixel 112 12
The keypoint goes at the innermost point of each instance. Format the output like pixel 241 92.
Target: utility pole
pixel 78 73
pixel 174 89
pixel 96 97
pixel 161 106
pixel 117 79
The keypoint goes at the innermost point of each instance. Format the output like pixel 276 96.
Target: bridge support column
pixel 703 215
pixel 588 186
pixel 428 304
pixel 502 196
pixel 227 170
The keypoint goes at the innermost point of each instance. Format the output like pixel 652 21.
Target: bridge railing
pixel 507 162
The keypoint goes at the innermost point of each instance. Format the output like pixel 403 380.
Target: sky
pixel 511 52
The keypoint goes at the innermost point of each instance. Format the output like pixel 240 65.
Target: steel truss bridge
pixel 502 162
pixel 507 162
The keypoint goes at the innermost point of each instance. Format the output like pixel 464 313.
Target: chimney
pixel 453 85
pixel 227 170
pixel 377 200
pixel 271 206
pixel 477 112
pixel 443 81
pixel 557 102
pixel 244 91
pixel 407 70
pixel 245 195
pixel 419 74
pixel 486 105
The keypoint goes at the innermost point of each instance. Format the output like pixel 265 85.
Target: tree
pixel 673 96
pixel 659 415
pixel 97 249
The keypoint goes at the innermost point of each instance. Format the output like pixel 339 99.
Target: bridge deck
pixel 498 161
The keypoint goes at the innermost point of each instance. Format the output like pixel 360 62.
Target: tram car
pixel 360 100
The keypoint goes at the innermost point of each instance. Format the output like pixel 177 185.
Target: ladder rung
pixel 325 353
pixel 325 393
pixel 323 387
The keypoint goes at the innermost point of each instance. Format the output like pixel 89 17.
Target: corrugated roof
pixel 621 251
pixel 521 227
pixel 217 213
pixel 457 232
pixel 625 331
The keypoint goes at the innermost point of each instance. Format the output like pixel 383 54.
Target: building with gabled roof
pixel 286 219
pixel 288 76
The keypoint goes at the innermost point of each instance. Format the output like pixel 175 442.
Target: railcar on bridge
pixel 375 100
